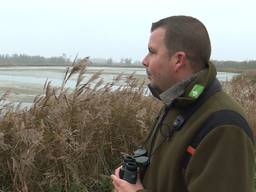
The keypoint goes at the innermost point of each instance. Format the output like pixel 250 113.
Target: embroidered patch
pixel 196 91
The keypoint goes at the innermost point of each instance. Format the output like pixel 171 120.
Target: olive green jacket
pixel 223 161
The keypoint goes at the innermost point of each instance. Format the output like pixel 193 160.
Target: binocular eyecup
pixel 132 163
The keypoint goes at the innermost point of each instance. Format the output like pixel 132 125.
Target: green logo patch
pixel 196 91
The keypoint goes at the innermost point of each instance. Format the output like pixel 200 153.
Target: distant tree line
pixel 22 59
pixel 235 66
pixel 127 62
pixel 26 60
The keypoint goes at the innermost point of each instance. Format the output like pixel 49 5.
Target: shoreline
pixel 219 69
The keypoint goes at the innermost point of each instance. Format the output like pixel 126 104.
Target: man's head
pixel 178 46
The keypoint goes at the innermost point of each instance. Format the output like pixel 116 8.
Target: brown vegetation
pixel 243 89
pixel 71 140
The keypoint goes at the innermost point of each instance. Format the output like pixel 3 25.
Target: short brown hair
pixel 188 34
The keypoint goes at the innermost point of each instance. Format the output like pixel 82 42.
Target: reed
pixel 72 140
pixel 243 89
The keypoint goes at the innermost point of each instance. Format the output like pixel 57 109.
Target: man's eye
pixel 150 51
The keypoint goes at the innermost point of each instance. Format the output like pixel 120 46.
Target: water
pixel 25 83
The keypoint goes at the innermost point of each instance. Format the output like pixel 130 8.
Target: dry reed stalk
pixel 243 89
pixel 72 140
pixel 68 140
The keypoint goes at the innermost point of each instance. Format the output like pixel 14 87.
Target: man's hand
pixel 123 186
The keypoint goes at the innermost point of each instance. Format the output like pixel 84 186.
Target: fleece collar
pixel 180 94
pixel 204 79
pixel 176 90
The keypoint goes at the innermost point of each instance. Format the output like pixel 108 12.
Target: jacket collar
pixel 204 79
pixel 180 94
pixel 176 90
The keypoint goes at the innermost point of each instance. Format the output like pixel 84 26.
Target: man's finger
pixel 115 180
pixel 117 171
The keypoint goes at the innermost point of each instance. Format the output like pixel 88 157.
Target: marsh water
pixel 24 83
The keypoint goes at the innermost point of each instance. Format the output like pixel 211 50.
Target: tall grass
pixel 71 140
pixel 243 89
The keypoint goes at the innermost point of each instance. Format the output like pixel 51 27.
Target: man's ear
pixel 180 60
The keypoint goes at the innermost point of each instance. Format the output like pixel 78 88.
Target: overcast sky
pixel 120 28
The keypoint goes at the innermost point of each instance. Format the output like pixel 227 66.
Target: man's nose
pixel 145 61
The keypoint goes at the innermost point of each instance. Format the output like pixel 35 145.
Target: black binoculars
pixel 132 163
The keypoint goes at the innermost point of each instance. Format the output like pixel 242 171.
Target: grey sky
pixel 120 28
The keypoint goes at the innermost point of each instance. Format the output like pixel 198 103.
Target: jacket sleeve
pixel 223 161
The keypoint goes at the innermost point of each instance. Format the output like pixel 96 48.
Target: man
pixel 200 141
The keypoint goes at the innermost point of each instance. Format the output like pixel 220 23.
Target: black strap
pixel 218 118
pixel 210 90
pixel 152 134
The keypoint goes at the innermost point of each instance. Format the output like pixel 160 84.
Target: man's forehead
pixel 159 32
pixel 157 36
